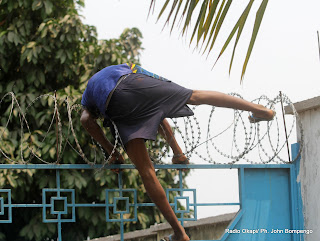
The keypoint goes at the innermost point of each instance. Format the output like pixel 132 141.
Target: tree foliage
pixel 44 46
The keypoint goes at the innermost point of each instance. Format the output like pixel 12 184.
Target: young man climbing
pixel 137 102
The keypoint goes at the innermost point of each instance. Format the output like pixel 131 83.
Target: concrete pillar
pixel 309 176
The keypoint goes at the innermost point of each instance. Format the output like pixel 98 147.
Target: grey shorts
pixel 140 103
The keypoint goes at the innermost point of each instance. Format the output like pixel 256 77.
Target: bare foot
pixel 174 237
pixel 263 114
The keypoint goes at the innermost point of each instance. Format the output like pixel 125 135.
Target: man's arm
pixel 92 127
pixel 166 131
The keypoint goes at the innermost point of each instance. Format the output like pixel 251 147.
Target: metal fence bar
pixel 295 187
pixel 59 214
pixel 129 166
pixel 70 205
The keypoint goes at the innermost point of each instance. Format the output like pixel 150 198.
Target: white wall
pixel 310 172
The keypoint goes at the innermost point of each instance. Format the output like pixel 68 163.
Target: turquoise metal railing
pixel 67 196
pixel 250 177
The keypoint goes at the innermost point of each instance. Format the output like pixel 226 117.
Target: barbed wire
pixel 263 139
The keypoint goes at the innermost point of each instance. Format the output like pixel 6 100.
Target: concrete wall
pixel 210 228
pixel 310 172
pixel 309 176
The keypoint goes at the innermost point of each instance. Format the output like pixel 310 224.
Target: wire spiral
pixel 262 139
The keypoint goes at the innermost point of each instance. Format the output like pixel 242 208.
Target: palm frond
pixel 209 23
pixel 255 31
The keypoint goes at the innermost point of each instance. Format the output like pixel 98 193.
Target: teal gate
pixel 270 201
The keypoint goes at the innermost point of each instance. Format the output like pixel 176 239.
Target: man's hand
pixel 116 158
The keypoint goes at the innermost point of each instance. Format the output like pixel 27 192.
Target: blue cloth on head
pixel 136 69
pixel 100 85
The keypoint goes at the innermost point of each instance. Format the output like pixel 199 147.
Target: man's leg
pixel 138 154
pixel 214 98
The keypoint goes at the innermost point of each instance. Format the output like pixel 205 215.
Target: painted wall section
pixel 309 176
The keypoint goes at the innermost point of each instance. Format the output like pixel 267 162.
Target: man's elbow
pixel 85 118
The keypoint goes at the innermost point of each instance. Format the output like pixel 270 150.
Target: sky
pixel 285 58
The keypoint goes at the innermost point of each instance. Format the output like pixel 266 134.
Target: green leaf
pixel 81 3
pixel 35 55
pixel 70 181
pixel 94 220
pixel 185 8
pixel 46 147
pixel 242 22
pixel 31 44
pixel 29 55
pixel 22 31
pixel 50 101
pixel 51 227
pixel 69 54
pixel 48 5
pixel 37 4
pixel 10 5
pixel 175 17
pixel 3 33
pixel 16 39
pixel 256 27
pixel 238 27
pixel 212 10
pixel 36 81
pixel 69 38
pixel 41 26
pixel 30 235
pixel 65 18
pixel 24 230
pixel 41 77
pixel 200 19
pixel 192 6
pixel 10 36
pixel 63 57
pixel 152 3
pixel 171 11
pixel 10 86
pixel 46 48
pixel 113 57
pixel 36 230
pixel 219 24
pixel 20 85
pixel 12 181
pixel 44 32
pixel 52 152
pixel 163 8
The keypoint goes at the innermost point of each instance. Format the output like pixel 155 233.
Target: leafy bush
pixel 45 47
